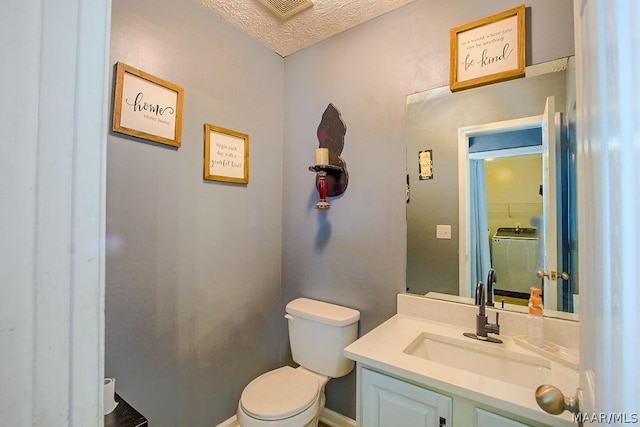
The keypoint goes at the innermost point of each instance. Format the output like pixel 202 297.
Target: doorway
pixel 514 210
pixel 500 139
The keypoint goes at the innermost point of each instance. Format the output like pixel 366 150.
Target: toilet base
pixel 316 419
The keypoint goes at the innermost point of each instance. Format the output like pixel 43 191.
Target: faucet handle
pixel 479 300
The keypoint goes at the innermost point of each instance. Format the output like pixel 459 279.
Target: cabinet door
pixel 489 419
pixel 389 402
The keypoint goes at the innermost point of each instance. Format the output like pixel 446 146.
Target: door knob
pixel 553 275
pixel 550 275
pixel 551 400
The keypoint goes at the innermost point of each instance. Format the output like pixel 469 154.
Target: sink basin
pixel 482 358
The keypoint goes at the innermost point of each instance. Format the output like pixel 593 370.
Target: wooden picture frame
pixel 226 155
pixel 147 107
pixel 488 50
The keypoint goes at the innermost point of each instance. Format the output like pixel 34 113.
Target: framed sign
pixel 488 50
pixel 226 155
pixel 425 164
pixel 147 107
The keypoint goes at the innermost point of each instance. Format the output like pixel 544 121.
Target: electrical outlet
pixel 443 232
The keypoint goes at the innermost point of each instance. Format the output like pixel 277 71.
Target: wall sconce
pixel 331 170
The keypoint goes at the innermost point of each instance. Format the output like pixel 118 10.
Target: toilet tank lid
pixel 323 312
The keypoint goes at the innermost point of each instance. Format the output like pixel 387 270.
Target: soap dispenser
pixel 535 321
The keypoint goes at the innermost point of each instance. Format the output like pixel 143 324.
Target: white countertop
pixel 383 349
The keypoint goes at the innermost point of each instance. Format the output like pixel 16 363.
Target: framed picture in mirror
pixel 425 164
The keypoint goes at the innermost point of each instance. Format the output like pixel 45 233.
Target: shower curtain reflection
pixel 480 257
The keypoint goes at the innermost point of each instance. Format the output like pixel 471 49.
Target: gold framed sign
pixel 488 50
pixel 226 155
pixel 147 107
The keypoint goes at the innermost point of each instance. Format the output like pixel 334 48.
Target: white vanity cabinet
pixel 489 419
pixel 389 402
pixel 386 401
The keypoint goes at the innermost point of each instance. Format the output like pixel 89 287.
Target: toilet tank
pixel 319 332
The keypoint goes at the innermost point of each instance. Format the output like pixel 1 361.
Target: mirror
pixel 445 125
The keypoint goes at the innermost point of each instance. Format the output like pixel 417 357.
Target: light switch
pixel 443 232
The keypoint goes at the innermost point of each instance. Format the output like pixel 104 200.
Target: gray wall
pixel 198 272
pixel 194 267
pixel 354 253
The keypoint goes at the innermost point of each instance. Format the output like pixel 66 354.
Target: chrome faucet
pixel 483 327
pixel 491 279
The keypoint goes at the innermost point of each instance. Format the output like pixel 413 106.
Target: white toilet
pixel 294 397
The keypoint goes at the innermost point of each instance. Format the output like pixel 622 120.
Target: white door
pixel 549 130
pixel 53 132
pixel 608 154
pixel 608 125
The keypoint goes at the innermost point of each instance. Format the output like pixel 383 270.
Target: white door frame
pixel 464 134
pixel 547 149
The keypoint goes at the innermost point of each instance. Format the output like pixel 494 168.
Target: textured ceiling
pixel 321 21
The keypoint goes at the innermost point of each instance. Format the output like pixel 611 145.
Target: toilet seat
pixel 280 394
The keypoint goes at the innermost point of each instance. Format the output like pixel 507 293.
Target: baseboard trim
pixel 329 417
pixel 335 419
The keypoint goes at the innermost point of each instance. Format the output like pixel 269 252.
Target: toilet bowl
pixel 284 397
pixel 294 397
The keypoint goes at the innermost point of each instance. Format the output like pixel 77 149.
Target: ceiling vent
pixel 285 9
